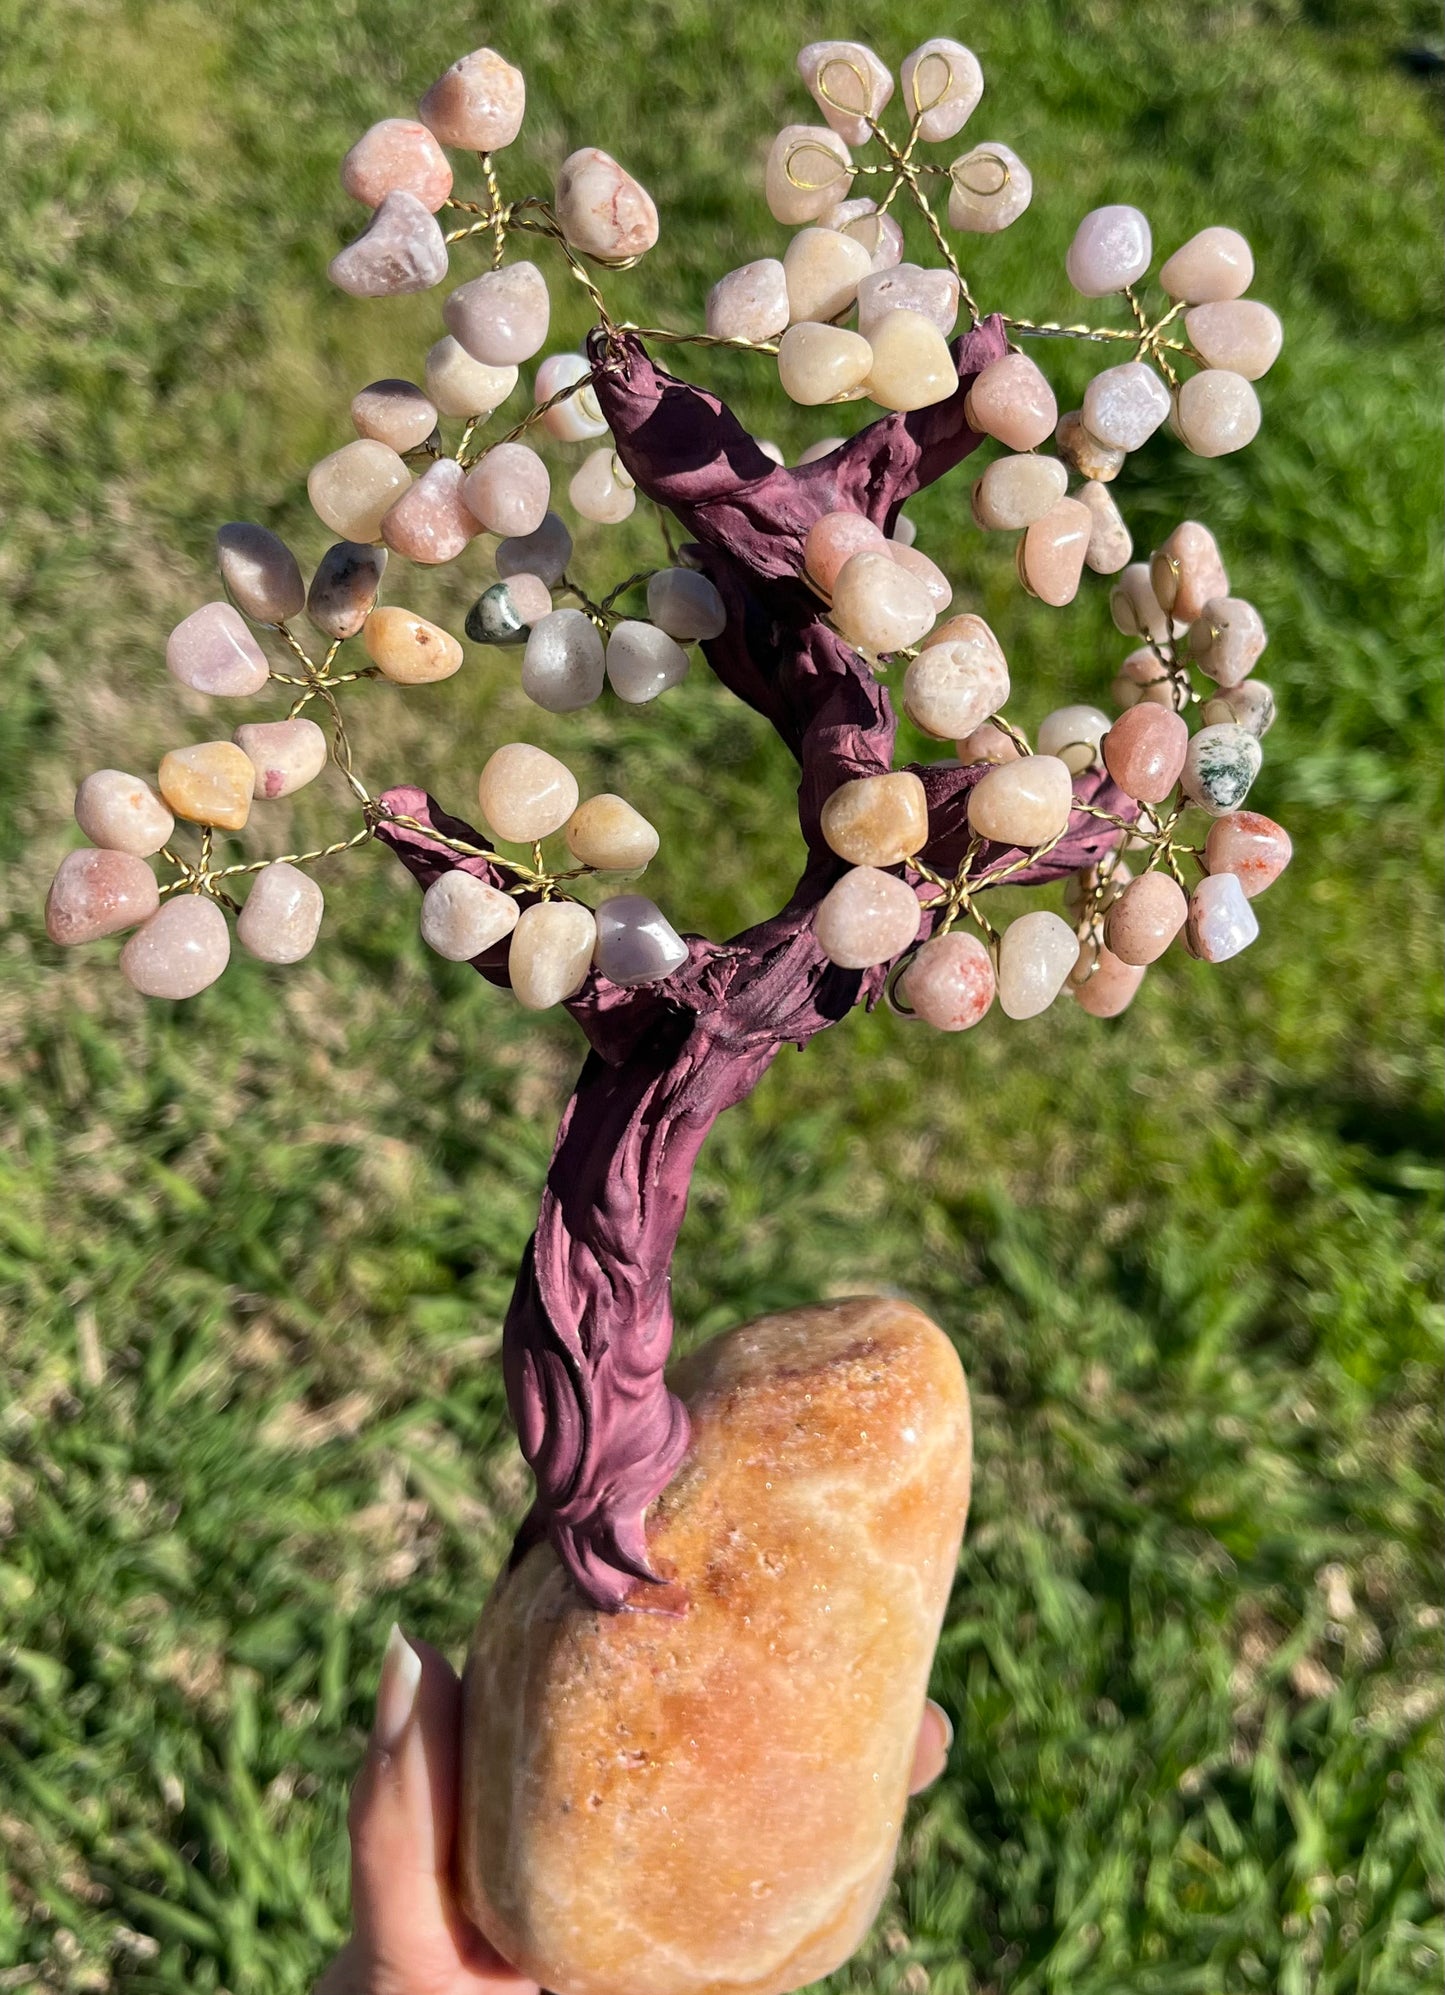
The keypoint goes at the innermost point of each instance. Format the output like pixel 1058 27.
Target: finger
pixel 930 1755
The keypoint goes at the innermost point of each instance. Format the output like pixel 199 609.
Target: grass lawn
pixel 254 1250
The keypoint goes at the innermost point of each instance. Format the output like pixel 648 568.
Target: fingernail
pixel 396 1693
pixel 945 1721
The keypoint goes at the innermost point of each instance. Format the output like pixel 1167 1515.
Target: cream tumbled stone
pixel 282 915
pixel 431 523
pixel 1228 639
pixel 508 490
pixel 950 983
pixel 602 489
pixel 477 105
pixel 989 188
pixel 1187 572
pixel 915 562
pixel 1213 266
pixel 1110 542
pixel 849 85
pixel 343 590
pixel 562 665
pixel 941 84
pixel 603 211
pixel 608 833
pixel 912 366
pixel 1052 551
pixel 260 572
pixel 393 412
pixel 1124 405
pixel 824 447
pixel 833 540
pixel 987 743
pixel 822 270
pixel 551 953
pixel 462 386
pixel 462 917
pixel 212 783
pixel 286 754
pixel 98 893
pixel 212 651
pixel 1111 249
pixel 879 234
pixel 877 820
pixel 526 794
pixel 1140 925
pixel 1023 803
pixel 1238 334
pixel 1221 764
pixel 908 287
pixel 1016 491
pixel 400 251
pixel 501 317
pixel 957 680
pixel 1095 461
pixel 397 152
pixel 751 302
pixel 352 490
pixel 643 661
pixel 408 649
pixel 544 553
pixel 819 363
pixel 120 813
pixel 579 415
pixel 878 605
pixel 1135 608
pixel 1221 921
pixel 1011 399
pixel 809 170
pixel 1035 956
pixel 180 951
pixel 866 918
pixel 1073 733
pixel 1216 412
pixel 686 605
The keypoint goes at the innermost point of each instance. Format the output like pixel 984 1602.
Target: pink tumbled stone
pixel 865 918
pixel 461 916
pixel 1111 248
pixel 833 540
pixel 940 589
pixel 120 813
pixel 849 85
pixel 578 416
pixel 286 754
pixel 98 893
pixel 809 170
pixel 1146 917
pixel 603 211
pixel 1011 399
pixel 282 915
pixel 879 234
pixel 477 104
pixel 950 982
pixel 941 83
pixel 908 288
pixel 1249 845
pixel 1102 984
pixel 1135 608
pixel 1052 551
pixel 1144 751
pixel 400 251
pixel 182 949
pixel 501 317
pixel 1187 572
pixel 1228 639
pixel 398 152
pixel 509 489
pixel 990 188
pixel 432 522
pixel 393 412
pixel 987 743
pixel 1124 405
pixel 1239 334
pixel 750 302
pixel 1221 921
pixel 1213 266
pixel 1110 542
pixel 212 651
pixel 1217 412
pixel 877 605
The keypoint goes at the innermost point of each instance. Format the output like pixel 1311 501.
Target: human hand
pixel 410 1936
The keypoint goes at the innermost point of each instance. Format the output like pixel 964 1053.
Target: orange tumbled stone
pixel 212 783
pixel 710 1804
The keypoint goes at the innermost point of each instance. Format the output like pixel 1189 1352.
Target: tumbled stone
pixel 1073 733
pixel 1111 249
pixel 462 917
pixel 1145 668
pixel 477 104
pixel 1228 639
pixel 120 813
pixel 686 605
pixel 1016 491
pixel 1215 265
pixel 502 316
pixel 1023 803
pixel 463 386
pixel 1144 751
pixel 1135 608
pixel 1051 553
pixel 1095 888
pixel 1216 412
pixel 1035 956
pixel 607 833
pixel 1251 704
pixel 833 540
pixel 950 983
pixel 1098 462
pixel 878 606
pixel 822 270
pixel 915 562
pixel 1102 984
pixel 865 918
pixel 1219 768
pixel 907 288
pixel 1011 399
pixel 212 651
pixel 1124 405
pixel 577 417
pixel 987 743
pixel 98 893
pixel 506 612
pixel 343 589
pixel 912 366
pixel 1221 921
pixel 643 661
pixel 904 532
pixel 749 1759
pixel 409 650
pixel 562 667
pixel 394 412
pixel 824 447
pixel 181 950
pixel 879 234
pixel 1238 334
pixel 956 681
pixel 525 793
pixel 401 250
pixel 1110 542
pixel 352 489
pixel 750 302
pixel 260 572
pixel 282 915
pixel 942 83
pixel 544 553
pixel 809 170
pixel 818 363
pixel 212 783
pixel 551 953
pixel 1187 572
pixel 432 523
pixel 509 489
pixel 602 489
pixel 603 211
pixel 636 943
pixel 1140 925
pixel 1160 690
pixel 398 152
pixel 877 820
pixel 849 85
pixel 1252 847
pixel 286 754
pixel 989 188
